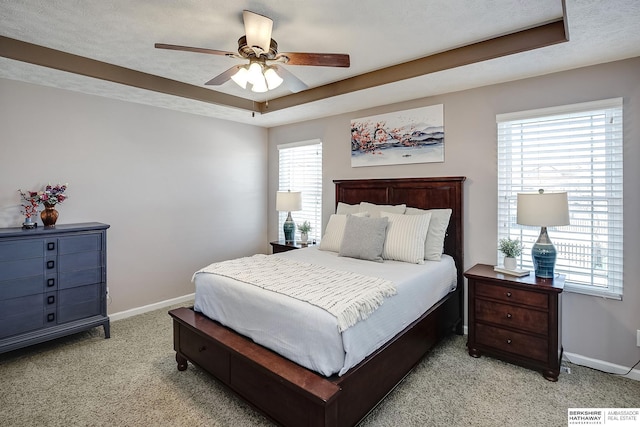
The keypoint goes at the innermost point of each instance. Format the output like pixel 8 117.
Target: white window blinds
pixel 300 169
pixel 577 149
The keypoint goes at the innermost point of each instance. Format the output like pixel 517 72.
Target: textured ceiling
pixel 376 34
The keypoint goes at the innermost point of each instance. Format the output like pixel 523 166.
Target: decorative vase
pixel 28 223
pixel 49 215
pixel 510 263
pixel 304 237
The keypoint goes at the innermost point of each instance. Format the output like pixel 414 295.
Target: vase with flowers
pixel 51 196
pixel 30 206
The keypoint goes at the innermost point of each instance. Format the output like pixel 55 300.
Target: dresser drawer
pixel 79 261
pixel 78 303
pixel 81 243
pixel 512 342
pixel 70 279
pixel 21 287
pixel 17 269
pixel 512 316
pixel 18 315
pixel 512 296
pixel 13 250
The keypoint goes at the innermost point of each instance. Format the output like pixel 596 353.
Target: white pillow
pixel 344 209
pixel 334 232
pixel 375 210
pixel 434 245
pixel 406 235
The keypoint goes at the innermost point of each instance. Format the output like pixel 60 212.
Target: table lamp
pixel 287 201
pixel 543 210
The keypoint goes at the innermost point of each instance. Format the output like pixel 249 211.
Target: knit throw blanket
pixel 350 297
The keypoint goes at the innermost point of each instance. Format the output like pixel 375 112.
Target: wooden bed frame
pixel 295 396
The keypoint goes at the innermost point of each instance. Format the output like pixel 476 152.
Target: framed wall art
pixel 403 137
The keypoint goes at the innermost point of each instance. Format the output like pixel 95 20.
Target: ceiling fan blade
pixel 257 29
pixel 194 49
pixel 294 84
pixel 318 59
pixel 224 77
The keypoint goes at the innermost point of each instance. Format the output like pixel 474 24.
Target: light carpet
pixel 131 380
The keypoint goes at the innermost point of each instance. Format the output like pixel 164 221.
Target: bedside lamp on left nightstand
pixel 288 201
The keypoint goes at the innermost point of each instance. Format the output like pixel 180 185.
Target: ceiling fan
pixel 264 71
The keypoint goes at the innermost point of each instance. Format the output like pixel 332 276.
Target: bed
pixel 293 395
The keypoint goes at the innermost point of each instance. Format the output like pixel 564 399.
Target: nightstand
pixel 516 319
pixel 282 246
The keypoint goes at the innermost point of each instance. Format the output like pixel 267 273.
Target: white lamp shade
pixel 241 77
pixel 288 201
pixel 272 78
pixel 543 209
pixel 258 28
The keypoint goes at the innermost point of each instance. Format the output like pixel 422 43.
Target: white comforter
pixel 308 335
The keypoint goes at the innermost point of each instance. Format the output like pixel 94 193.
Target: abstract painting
pixel 404 137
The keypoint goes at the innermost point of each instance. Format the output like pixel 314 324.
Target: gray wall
pixel 595 328
pixel 179 191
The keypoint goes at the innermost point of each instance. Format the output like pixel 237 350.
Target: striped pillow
pixel 434 245
pixel 406 235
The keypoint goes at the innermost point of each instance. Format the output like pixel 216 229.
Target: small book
pixel 517 273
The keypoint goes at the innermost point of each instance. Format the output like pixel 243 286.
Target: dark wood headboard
pixel 421 193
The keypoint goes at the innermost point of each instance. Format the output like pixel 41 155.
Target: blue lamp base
pixel 289 229
pixel 544 256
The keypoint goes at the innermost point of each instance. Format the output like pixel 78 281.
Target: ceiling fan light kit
pixel 261 50
pixel 259 76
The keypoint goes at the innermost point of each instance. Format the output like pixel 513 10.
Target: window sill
pixel 586 290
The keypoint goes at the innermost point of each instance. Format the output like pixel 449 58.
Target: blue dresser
pixel 52 282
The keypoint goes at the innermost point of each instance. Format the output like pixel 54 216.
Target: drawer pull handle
pixel 509 316
pixel 508 340
pixel 509 294
pixel 51 299
pixel 51 317
pixel 51 246
pixel 203 348
pixel 51 282
pixel 51 265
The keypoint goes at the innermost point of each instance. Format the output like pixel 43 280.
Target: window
pixel 577 149
pixel 300 169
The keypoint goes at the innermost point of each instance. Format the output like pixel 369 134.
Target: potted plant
pixel 511 248
pixel 304 229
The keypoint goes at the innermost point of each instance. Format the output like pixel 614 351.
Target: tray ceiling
pixel 378 35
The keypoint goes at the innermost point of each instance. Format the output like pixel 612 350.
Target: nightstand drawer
pixel 511 295
pixel 512 342
pixel 512 316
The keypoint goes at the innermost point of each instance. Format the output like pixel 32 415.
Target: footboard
pixel 281 389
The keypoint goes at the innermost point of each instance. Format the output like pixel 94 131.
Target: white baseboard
pixel 146 308
pixel 602 366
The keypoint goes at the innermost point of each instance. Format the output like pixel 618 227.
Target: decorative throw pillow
pixel 334 232
pixel 364 238
pixel 345 209
pixel 406 235
pixel 434 245
pixel 375 210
